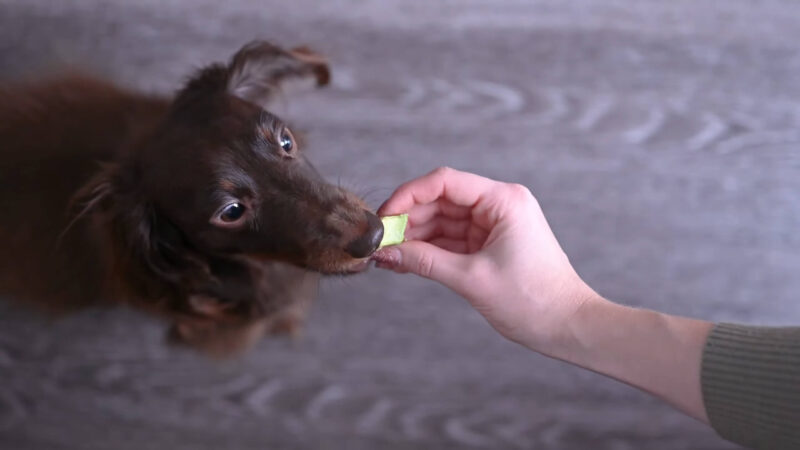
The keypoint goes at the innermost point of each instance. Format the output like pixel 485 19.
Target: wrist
pixel 559 335
pixel 655 352
pixel 591 313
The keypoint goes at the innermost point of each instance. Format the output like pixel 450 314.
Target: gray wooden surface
pixel 661 138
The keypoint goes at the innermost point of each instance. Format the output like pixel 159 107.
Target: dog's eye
pixel 287 141
pixel 232 212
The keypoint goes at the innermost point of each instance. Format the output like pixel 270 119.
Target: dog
pixel 201 208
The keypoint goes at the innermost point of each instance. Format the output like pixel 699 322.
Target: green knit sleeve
pixel 751 385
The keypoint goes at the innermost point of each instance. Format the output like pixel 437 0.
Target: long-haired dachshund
pixel 201 208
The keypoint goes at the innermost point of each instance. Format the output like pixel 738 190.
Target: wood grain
pixel 661 138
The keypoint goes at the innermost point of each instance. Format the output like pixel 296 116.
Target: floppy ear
pixel 255 74
pixel 148 254
pixel 259 69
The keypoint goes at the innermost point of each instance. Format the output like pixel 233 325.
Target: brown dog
pixel 203 209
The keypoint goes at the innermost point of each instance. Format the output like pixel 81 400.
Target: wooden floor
pixel 662 138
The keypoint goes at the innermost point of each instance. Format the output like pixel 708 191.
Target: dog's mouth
pixel 322 266
pixel 351 267
pixel 358 267
pixel 346 251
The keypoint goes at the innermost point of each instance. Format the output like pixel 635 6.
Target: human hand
pixel 489 242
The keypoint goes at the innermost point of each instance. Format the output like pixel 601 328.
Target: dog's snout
pixel 368 242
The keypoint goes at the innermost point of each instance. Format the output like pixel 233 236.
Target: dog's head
pixel 222 179
pixel 232 178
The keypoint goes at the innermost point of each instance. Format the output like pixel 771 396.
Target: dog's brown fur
pixel 113 196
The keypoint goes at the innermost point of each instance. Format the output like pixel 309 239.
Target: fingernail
pixel 387 258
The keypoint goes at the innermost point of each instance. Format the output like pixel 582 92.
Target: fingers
pixel 458 188
pixel 442 207
pixel 442 229
pixel 439 226
pixel 476 238
pixel 452 245
pixel 426 260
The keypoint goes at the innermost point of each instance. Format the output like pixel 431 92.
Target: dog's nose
pixel 368 242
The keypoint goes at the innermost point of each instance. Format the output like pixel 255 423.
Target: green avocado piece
pixel 394 229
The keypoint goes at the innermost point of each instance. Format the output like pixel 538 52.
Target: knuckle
pixel 519 193
pixel 519 190
pixel 425 265
pixel 443 171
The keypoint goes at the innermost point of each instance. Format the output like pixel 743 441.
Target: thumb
pixel 425 260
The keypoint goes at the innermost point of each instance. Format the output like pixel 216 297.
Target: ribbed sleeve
pixel 751 385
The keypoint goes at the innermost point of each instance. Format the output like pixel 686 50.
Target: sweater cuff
pixel 751 385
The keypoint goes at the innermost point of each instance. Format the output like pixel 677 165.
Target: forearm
pixel 654 352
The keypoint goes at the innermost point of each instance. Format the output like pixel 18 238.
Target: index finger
pixel 459 188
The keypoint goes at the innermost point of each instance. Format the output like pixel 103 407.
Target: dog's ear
pixel 259 69
pixel 148 254
pixel 256 73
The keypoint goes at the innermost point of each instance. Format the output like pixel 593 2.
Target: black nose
pixel 368 242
